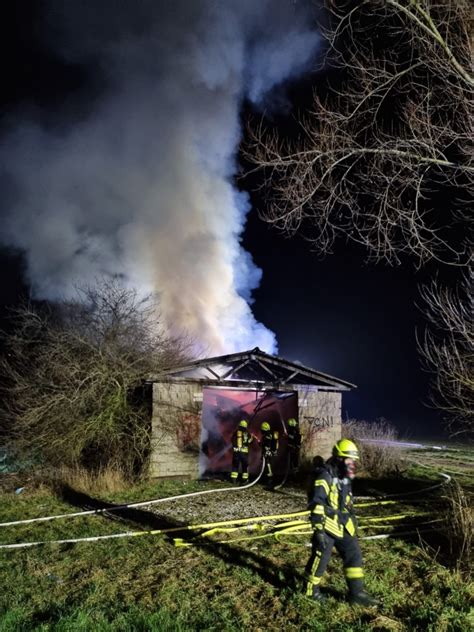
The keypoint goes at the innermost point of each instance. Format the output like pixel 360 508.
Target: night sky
pixel 349 319
pixel 338 315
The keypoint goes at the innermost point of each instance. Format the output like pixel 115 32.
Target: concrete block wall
pixel 173 403
pixel 320 421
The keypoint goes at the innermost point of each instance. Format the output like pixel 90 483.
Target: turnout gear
pixel 241 439
pixel 346 453
pixel 331 502
pixel 347 547
pixel 317 594
pixel 320 538
pixel 359 597
pixel 269 443
pixel 269 440
pixel 294 443
pixel 335 525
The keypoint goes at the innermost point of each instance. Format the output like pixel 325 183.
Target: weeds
pixel 459 516
pixel 105 480
pixel 377 459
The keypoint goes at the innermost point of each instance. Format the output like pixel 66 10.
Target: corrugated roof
pixel 252 367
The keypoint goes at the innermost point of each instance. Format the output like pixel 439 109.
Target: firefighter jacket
pixel 294 438
pixel 331 505
pixel 269 443
pixel 241 440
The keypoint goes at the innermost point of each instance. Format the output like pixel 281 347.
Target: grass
pixel 455 459
pixel 145 583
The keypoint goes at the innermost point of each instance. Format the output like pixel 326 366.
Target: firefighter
pixel 334 524
pixel 269 444
pixel 241 439
pixel 294 444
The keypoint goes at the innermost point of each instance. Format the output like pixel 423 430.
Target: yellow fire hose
pixel 296 527
pixel 215 527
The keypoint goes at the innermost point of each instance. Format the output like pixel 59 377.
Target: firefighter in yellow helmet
pixel 269 443
pixel 241 439
pixel 334 524
pixel 293 443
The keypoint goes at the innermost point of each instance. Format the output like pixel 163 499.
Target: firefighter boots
pixel 362 599
pixel 358 595
pixel 317 594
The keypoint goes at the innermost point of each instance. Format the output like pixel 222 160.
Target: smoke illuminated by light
pixel 142 187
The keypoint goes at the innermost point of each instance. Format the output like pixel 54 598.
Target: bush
pixel 73 378
pixel 379 457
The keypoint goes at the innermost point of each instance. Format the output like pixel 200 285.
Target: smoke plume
pixel 142 185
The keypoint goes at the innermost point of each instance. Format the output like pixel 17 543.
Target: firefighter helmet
pixel 243 424
pixel 346 449
pixel 292 422
pixel 265 426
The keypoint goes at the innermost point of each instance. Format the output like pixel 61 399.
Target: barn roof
pixel 252 368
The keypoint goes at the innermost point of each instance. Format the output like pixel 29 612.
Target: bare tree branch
pixel 384 159
pixel 380 149
pixel 447 351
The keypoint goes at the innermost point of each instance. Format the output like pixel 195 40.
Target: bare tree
pixel 447 350
pixel 383 158
pixel 71 377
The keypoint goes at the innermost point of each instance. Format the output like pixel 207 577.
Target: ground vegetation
pixel 218 583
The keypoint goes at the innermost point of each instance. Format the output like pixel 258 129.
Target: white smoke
pixel 142 187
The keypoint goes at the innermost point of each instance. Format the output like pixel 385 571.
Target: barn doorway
pixel 223 408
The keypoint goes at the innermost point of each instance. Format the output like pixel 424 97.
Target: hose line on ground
pixel 91 512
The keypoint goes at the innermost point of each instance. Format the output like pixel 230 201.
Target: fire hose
pixel 295 527
pixel 170 530
pixel 144 503
pixel 210 528
pixel 155 501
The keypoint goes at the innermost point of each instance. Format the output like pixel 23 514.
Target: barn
pixel 196 408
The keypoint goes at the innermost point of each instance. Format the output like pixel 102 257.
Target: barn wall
pixel 176 424
pixel 320 421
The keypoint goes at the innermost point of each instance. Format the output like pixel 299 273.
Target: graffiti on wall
pixel 188 432
pixel 317 424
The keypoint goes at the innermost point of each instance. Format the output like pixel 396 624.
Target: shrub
pixel 73 378
pixel 460 520
pixel 379 457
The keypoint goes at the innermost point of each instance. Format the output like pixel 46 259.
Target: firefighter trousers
pixel 294 454
pixel 348 548
pixel 240 461
pixel 268 471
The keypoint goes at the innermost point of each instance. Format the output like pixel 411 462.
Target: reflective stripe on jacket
pixel 331 502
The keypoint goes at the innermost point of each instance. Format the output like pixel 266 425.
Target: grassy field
pixel 147 583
